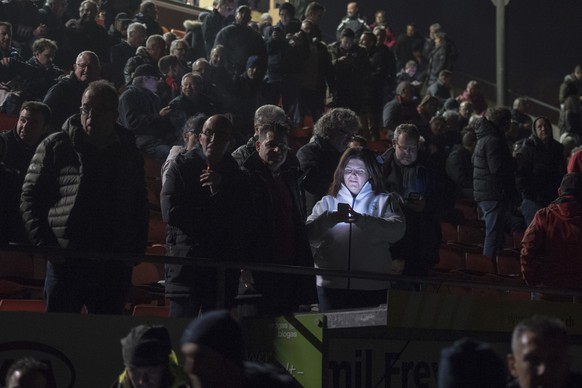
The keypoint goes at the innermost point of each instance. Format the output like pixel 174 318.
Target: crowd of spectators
pixel 231 74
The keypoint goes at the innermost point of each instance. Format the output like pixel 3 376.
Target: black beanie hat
pixel 146 345
pixel 218 331
pixel 471 363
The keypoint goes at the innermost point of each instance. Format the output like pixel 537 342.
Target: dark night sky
pixel 544 37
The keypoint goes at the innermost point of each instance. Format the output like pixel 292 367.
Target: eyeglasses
pixel 83 65
pixel 359 172
pixel 407 149
pixel 212 134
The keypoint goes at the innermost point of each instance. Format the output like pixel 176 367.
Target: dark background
pixel 544 37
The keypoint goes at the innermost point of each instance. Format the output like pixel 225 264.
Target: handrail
pixel 222 266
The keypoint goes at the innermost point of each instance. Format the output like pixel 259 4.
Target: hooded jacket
pixel 540 167
pixel 550 248
pixel 360 246
pixel 492 165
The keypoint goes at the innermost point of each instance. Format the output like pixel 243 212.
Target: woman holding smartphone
pixel 352 229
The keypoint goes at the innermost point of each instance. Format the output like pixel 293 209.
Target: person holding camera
pixel 404 172
pixel 352 228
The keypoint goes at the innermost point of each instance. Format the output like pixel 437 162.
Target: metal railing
pixel 223 266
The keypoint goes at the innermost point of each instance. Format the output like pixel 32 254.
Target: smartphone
pixel 343 208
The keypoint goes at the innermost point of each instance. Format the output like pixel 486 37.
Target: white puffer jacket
pixel 360 246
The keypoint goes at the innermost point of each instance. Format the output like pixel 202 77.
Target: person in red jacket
pixel 550 249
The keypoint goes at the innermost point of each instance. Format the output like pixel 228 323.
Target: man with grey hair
pixel 141 112
pixel 405 172
pixel 539 355
pixel 64 97
pixel 319 158
pixel 279 218
pixel 150 54
pixel 264 115
pixel 121 52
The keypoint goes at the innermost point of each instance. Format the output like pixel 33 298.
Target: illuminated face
pixel 285 16
pixel 214 139
pixel 273 150
pixel 5 38
pixel 97 116
pixel 226 9
pixel 30 127
pixel 191 86
pixel 539 363
pixel 355 175
pixel 147 376
pixel 199 67
pixel 180 49
pixel 352 9
pixel 156 49
pixel 346 42
pixel 380 18
pixel 85 70
pixel 46 57
pixel 543 129
pixel 366 41
pixel 88 12
pixel 406 149
pixel 410 31
pixel 217 57
pixel 252 72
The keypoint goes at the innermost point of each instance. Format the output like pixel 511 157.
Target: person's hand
pixel 246 277
pixel 5 61
pixel 277 34
pixel 165 111
pixel 39 31
pixel 211 179
pixel 344 214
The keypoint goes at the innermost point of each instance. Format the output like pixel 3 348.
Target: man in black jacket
pixel 204 203
pixel 221 16
pixel 493 182
pixel 85 190
pixel 279 213
pixel 64 98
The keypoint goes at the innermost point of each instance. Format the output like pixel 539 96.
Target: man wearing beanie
pixel 471 363
pixel 149 360
pixel 214 353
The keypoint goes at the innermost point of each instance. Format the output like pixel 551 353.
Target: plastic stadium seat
pixel 468 208
pixel 7 122
pixel 157 229
pixel 478 264
pixel 470 235
pixel 449 260
pixel 449 232
pixel 146 310
pixel 153 176
pixel 508 265
pixel 179 33
pixel 32 305
pixel 145 274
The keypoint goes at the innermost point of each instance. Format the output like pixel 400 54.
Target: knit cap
pixel 218 331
